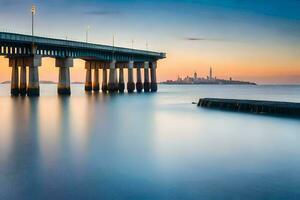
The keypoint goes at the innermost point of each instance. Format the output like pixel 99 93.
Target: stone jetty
pixel 252 106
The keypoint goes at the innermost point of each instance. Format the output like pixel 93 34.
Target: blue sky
pixel 185 18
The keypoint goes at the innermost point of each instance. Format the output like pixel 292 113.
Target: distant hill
pixel 45 82
pixel 41 82
pixel 48 82
pixel 77 82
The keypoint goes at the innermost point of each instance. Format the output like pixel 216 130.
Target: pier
pixel 252 106
pixel 25 55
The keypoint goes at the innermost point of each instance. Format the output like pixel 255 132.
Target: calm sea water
pixel 147 146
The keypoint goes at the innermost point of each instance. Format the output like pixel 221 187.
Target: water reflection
pixel 139 146
pixel 19 130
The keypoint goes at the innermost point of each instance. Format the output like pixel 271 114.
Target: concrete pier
pixel 147 84
pixel 104 87
pixel 153 77
pixel 23 80
pixel 14 77
pixel 130 83
pixel 116 80
pixel 139 84
pixel 88 77
pixel 112 82
pixel 64 81
pixel 64 85
pixel 31 49
pixel 252 106
pixel 121 79
pixel 96 85
pixel 33 82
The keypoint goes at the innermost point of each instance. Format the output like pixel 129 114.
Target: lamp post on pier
pixel 33 11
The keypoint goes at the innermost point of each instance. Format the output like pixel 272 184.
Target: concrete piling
pixel 33 82
pixel 139 84
pixel 147 85
pixel 96 86
pixel 130 83
pixel 14 77
pixel 153 77
pixel 121 85
pixel 23 80
pixel 64 81
pixel 112 82
pixel 19 84
pixel 64 85
pixel 88 77
pixel 104 87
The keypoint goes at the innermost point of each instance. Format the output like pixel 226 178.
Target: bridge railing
pixel 5 30
pixel 23 38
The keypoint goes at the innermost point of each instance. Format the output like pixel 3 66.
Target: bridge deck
pixel 14 38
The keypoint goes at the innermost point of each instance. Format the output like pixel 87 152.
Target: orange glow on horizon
pixel 259 68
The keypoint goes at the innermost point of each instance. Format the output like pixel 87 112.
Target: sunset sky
pixel 253 40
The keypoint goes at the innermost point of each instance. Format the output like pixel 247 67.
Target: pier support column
pixel 139 84
pixel 146 77
pixel 130 83
pixel 33 83
pixel 23 79
pixel 64 86
pixel 96 86
pixel 14 77
pixel 112 82
pixel 88 77
pixel 121 79
pixel 104 87
pixel 153 77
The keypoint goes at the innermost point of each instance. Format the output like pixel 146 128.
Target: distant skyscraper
pixel 195 75
pixel 210 74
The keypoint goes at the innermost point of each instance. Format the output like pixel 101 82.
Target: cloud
pixel 101 12
pixel 202 39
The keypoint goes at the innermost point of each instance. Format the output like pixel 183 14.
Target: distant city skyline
pixel 253 40
pixel 208 76
pixel 195 75
pixel 209 79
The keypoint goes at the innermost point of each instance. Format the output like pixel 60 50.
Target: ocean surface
pixel 147 146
